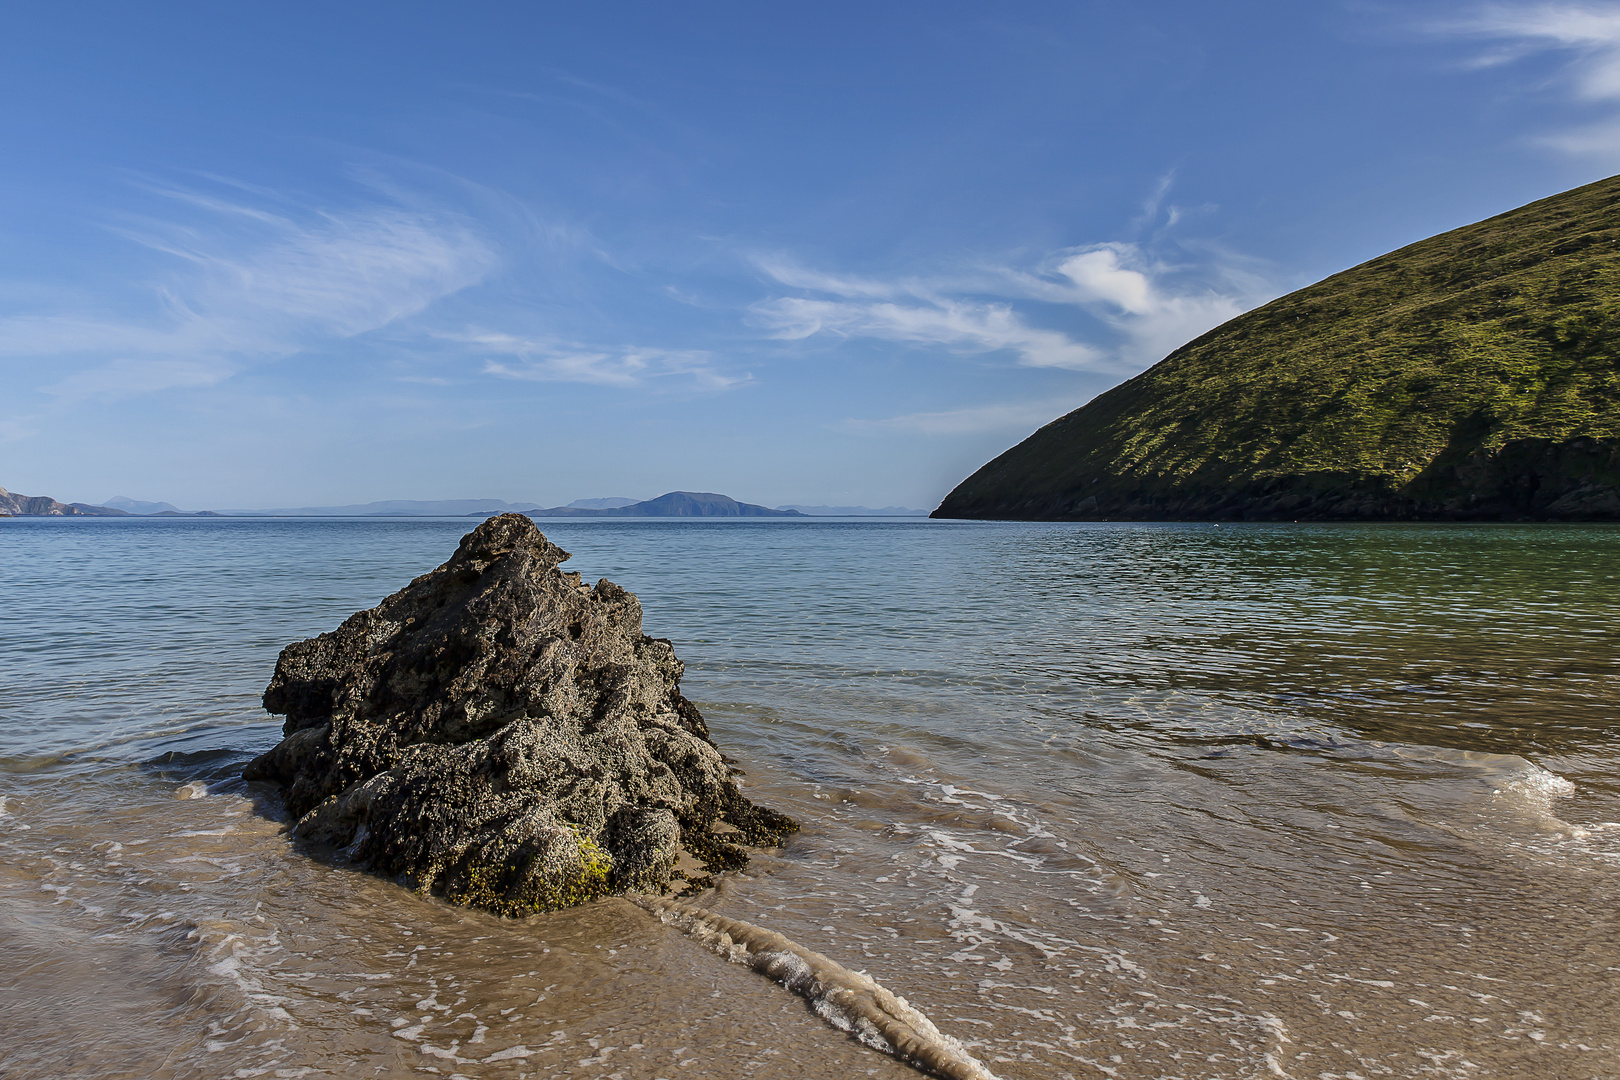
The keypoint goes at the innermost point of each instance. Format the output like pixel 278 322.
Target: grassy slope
pixel 1442 352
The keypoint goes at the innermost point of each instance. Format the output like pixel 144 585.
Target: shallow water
pixel 1100 800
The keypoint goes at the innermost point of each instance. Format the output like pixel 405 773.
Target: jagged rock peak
pixel 501 734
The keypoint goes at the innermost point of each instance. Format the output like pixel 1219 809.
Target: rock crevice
pixel 501 734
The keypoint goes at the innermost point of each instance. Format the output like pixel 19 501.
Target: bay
pixel 1102 800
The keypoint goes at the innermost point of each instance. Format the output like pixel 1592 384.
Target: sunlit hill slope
pixel 1470 376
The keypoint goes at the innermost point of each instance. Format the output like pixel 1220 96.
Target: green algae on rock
pixel 1471 376
pixel 502 735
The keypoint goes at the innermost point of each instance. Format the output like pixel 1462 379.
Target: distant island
pixel 396 508
pixel 673 504
pixel 137 506
pixel 612 503
pixel 1470 376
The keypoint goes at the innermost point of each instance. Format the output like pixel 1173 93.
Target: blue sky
pixel 294 254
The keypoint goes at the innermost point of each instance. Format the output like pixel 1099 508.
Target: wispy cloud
pixel 125 377
pixel 1010 416
pixel 960 325
pixel 247 283
pixel 1587 34
pixel 795 276
pixel 1152 305
pixel 511 357
pixel 1142 307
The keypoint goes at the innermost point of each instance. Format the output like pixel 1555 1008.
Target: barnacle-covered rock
pixel 503 735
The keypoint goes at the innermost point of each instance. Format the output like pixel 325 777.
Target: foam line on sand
pixel 848 1000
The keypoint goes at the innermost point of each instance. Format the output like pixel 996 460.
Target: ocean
pixel 1101 800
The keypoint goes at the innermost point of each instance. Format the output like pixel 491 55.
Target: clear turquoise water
pixel 1045 771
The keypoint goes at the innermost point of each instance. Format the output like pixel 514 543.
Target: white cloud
pixel 1588 33
pixel 1099 275
pixel 248 285
pixel 1143 307
pixel 1009 416
pixel 795 276
pixel 549 361
pixel 1152 306
pixel 128 378
pixel 246 277
pixel 1591 32
pixel 959 325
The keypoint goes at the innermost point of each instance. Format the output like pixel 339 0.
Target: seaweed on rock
pixel 501 734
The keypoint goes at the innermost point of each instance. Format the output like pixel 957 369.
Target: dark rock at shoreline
pixel 500 734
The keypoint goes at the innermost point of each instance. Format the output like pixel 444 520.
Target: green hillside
pixel 1470 376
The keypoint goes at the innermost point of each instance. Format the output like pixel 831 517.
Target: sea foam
pixel 848 1000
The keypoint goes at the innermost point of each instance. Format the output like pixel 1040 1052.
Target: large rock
pixel 505 736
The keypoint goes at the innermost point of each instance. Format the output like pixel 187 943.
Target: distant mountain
pixel 601 504
pixel 1469 376
pixel 136 506
pixel 854 511
pixel 674 504
pixel 397 508
pixel 45 506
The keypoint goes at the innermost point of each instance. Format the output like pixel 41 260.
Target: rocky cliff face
pixel 505 736
pixel 44 506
